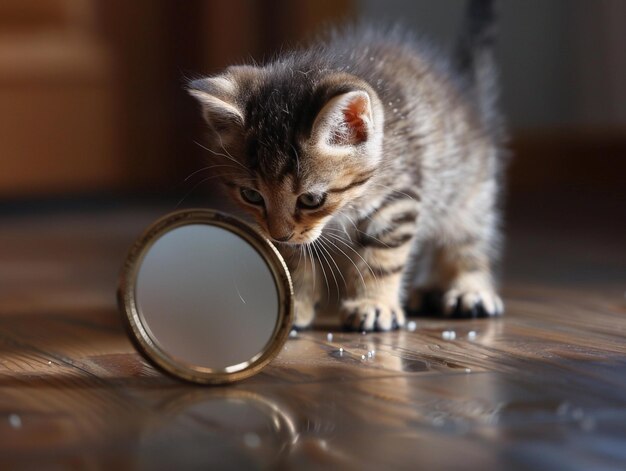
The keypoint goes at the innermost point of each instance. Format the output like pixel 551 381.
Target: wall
pixel 562 61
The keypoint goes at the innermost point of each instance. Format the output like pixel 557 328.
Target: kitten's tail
pixel 474 57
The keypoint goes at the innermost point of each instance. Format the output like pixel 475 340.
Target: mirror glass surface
pixel 207 297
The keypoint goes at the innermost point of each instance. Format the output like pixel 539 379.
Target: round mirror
pixel 206 297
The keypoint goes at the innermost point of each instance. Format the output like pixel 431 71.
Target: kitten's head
pixel 294 147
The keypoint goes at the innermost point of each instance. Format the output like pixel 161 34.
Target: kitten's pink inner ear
pixel 356 116
pixel 346 120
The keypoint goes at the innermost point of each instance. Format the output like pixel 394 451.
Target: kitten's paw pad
pixel 472 303
pixel 370 314
pixel 304 314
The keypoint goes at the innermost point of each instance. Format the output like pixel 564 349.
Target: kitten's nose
pixel 284 238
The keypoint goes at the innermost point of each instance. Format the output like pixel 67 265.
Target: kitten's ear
pixel 218 98
pixel 346 120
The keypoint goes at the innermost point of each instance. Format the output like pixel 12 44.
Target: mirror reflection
pixel 207 297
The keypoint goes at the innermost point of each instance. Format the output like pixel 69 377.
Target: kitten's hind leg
pixel 466 245
pixel 422 293
pixel 464 271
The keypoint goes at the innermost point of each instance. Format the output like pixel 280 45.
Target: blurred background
pixel 92 102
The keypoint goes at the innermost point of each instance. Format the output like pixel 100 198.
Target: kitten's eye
pixel 251 196
pixel 311 200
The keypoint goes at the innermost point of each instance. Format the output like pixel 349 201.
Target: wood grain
pixel 542 388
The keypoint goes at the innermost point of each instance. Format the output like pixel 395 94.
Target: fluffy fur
pixel 375 166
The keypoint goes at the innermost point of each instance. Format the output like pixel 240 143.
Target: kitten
pixel 373 164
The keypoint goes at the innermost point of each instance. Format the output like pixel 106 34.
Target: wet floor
pixel 542 388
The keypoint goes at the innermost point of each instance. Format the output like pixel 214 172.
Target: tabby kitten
pixel 373 164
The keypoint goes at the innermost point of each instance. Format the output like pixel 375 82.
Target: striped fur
pixel 401 147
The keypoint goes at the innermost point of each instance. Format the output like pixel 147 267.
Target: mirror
pixel 205 297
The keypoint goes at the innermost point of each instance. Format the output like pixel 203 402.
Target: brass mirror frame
pixel 150 348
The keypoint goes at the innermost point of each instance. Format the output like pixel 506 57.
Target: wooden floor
pixel 542 388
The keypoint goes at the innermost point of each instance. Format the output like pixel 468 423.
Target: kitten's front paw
pixel 480 302
pixel 304 314
pixel 372 314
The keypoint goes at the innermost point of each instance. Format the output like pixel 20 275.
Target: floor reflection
pixel 216 427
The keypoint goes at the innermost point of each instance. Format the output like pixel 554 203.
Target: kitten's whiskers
pixel 308 247
pixel 323 246
pixel 229 157
pixel 299 257
pixel 207 168
pixel 351 261
pixel 323 252
pixel 339 239
pixel 204 180
pixel 314 247
pixel 395 191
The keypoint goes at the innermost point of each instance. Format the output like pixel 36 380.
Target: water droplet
pixel 411 326
pixel 588 424
pixel 563 408
pixel 15 421
pixel 448 335
pixel 293 333
pixel 252 440
pixel 471 334
pixel 578 413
